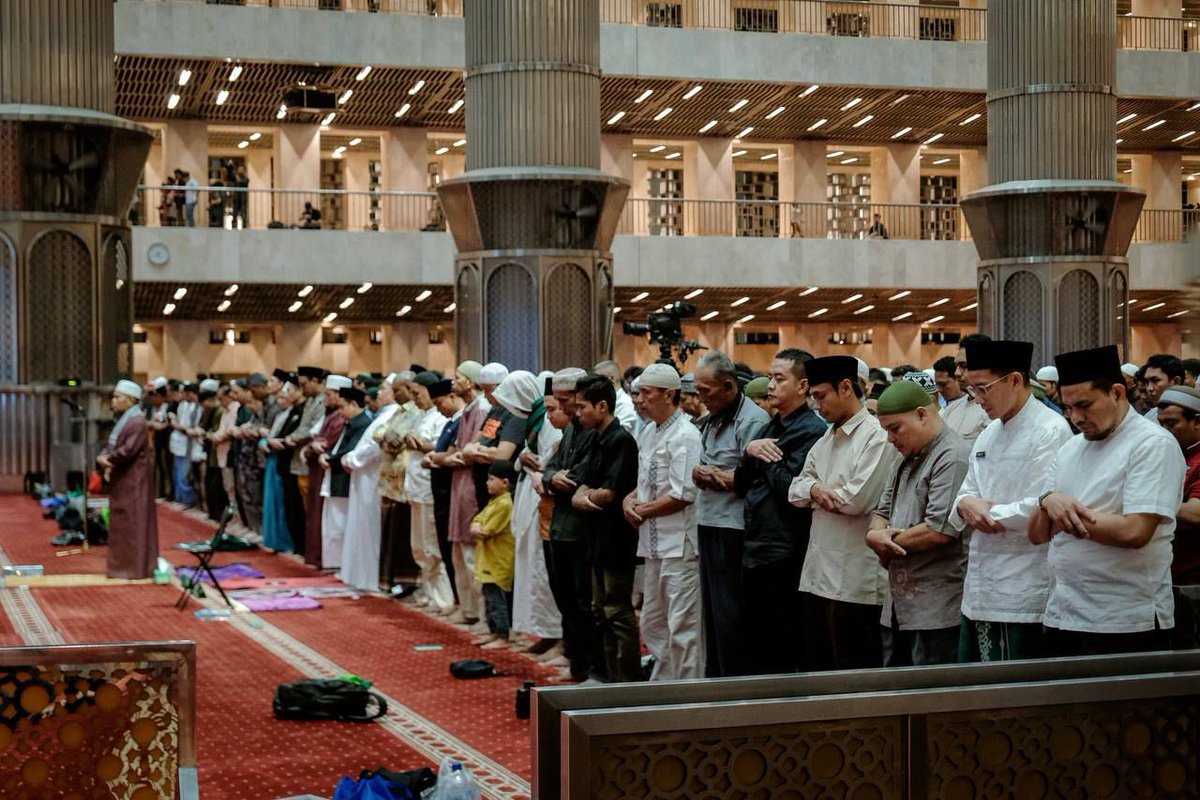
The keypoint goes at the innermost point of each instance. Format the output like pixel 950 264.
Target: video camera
pixel 664 329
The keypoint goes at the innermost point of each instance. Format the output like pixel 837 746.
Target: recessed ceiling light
pixel 969 306
pixel 899 317
pixel 222 96
pixel 254 137
pixel 835 154
pixel 1130 302
pixel 331 316
pixel 639 297
pixel 745 319
pixel 615 118
pixel 932 320
pixel 661 115
pixel 345 96
pixel 900 99
pixel 898 295
pixel 818 312
pixel 809 291
pixel 339 151
pixel 366 287
pixel 1193 107
pixel 708 126
pixel 738 106
pixel 852 298
pixel 418 86
pixel 282 112
pixel 709 316
pixel 903 131
pixel 641 98
pixel 424 295
pixel 817 124
pixel 403 310
pixel 810 90
pixel 849 160
pixel 1154 125
pixel 235 73
pixel 971 119
pixel 242 145
pixel 232 290
pixel 403 110
pixel 694 293
pixel 180 292
pixel 459 142
pixel 456 106
pixel 1120 140
pixel 1154 307
pixel 172 101
pixel 941 302
pixel 658 148
pixel 306 291
pixel 1177 314
pixel 1126 118
pixel 185 75
pixel 349 301
pixel 450 308
pixel 1183 136
pixel 294 307
pixel 329 118
pixel 692 92
pixel 673 155
pixel 1127 171
pixel 363 73
pixel 737 153
pixel 740 301
pixel 168 309
pixel 863 310
pixel 616 310
pixel 441 151
pixel 934 138
pixel 776 112
pixel 777 304
pixel 864 120
pixel 941 161
pixel 224 306
pixel 852 104
pixel 767 157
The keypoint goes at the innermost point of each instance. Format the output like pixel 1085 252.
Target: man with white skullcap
pixel 128 463
pixel 662 509
pixel 1047 377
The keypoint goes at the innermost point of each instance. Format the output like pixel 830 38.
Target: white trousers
pixel 534 610
pixel 671 617
pixel 470 594
pixel 333 530
pixel 433 581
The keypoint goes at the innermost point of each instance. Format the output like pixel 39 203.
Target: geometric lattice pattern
pixel 1119 296
pixel 106 730
pixel 1023 312
pixel 512 324
pixel 987 304
pixel 1110 750
pixel 567 317
pixel 852 759
pixel 1078 318
pixel 60 306
pixel 469 304
pixel 8 312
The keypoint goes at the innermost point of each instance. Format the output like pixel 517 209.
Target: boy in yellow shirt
pixel 495 553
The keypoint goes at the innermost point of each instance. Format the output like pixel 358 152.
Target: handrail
pixel 852 18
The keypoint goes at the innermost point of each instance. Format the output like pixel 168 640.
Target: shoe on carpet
pixel 68 538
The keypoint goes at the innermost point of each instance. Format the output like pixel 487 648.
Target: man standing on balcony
pixel 191 196
pixel 877 230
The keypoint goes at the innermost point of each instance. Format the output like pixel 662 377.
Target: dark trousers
pixel 395 555
pixel 164 466
pixel 497 605
pixel 840 635
pixel 918 648
pixel 571 585
pixel 214 491
pixel 1065 644
pixel 722 601
pixel 774 616
pixel 293 510
pixel 612 608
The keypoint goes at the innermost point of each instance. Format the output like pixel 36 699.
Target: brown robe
pixel 331 429
pixel 133 516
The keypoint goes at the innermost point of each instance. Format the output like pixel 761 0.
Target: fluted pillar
pixel 68 169
pixel 533 216
pixel 1054 227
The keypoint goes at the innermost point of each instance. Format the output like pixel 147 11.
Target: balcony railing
pixel 856 18
pixel 235 208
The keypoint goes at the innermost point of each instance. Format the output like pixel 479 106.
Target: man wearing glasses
pixel 961 413
pixel 1011 464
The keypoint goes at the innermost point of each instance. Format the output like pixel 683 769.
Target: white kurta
pixel 534 609
pixel 360 550
pixel 1011 463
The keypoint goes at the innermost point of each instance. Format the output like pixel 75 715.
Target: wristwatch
pixel 1042 499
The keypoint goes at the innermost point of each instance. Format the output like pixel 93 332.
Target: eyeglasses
pixel 981 391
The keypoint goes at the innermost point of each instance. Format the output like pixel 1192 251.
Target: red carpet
pixel 244 752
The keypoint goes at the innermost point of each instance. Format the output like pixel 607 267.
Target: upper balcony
pixel 846 42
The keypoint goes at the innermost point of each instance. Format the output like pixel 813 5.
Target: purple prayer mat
pixel 227 572
pixel 261 604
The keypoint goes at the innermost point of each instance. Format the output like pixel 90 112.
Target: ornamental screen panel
pixel 60 306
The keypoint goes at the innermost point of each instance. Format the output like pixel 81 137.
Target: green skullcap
pixel 471 369
pixel 758 387
pixel 902 397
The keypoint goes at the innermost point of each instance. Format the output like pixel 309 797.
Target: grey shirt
pixel 724 441
pixel 314 411
pixel 926 588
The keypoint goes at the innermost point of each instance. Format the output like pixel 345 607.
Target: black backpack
pixel 327 699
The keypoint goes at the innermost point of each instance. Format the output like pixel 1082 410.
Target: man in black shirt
pixel 776 531
pixel 609 474
pixel 569 562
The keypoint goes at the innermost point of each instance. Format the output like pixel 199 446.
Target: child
pixel 495 553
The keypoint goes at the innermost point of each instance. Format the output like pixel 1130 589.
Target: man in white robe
pixel 364 520
pixel 335 485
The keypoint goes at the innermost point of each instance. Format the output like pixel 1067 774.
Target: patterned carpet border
pixel 27 616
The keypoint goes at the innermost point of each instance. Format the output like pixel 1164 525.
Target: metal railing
pixel 321 209
pixel 1157 225
pixel 855 18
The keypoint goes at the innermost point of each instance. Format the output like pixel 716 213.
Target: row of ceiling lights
pixel 185 76
pixel 182 291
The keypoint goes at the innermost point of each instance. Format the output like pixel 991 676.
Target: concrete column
pixel 1167 9
pixel 896 180
pixel 802 180
pixel 185 147
pixel 616 155
pixel 405 169
pixel 708 176
pixel 406 343
pixel 973 171
pixel 298 343
pixel 299 157
pixel 1158 175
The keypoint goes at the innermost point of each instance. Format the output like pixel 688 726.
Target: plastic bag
pixel 455 782
pixel 375 787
